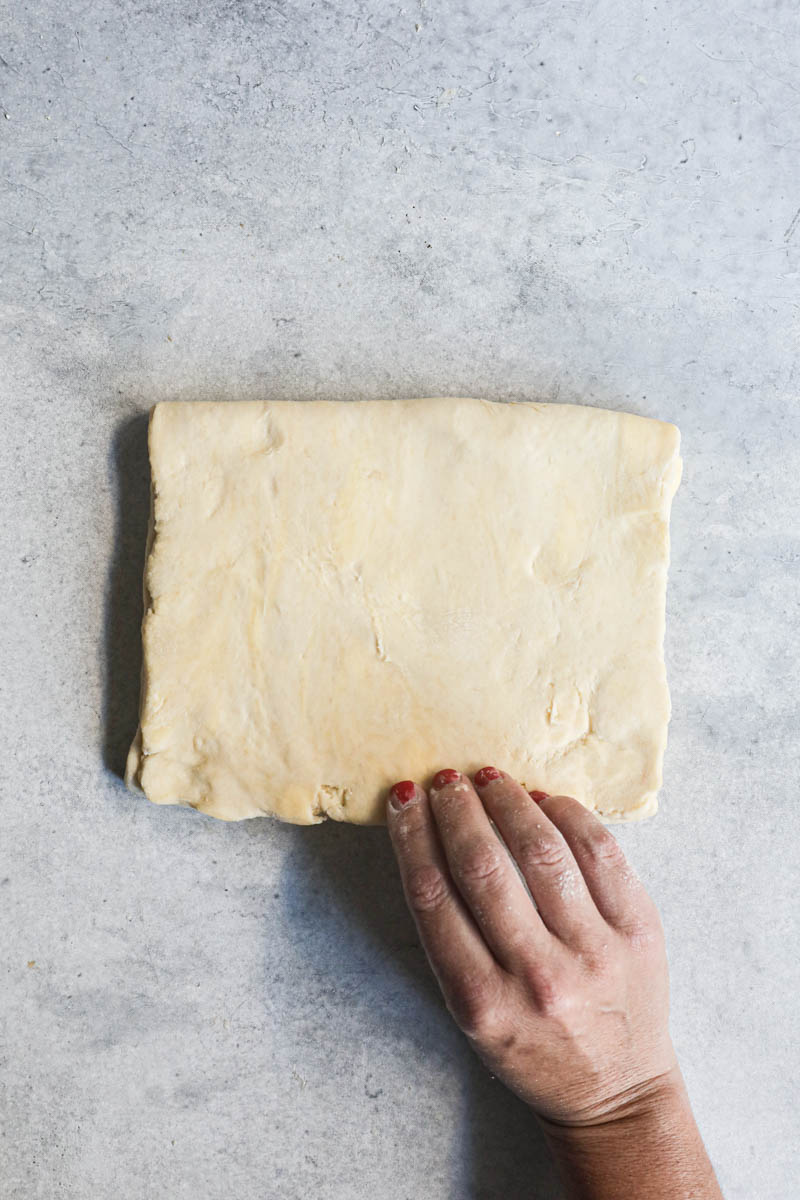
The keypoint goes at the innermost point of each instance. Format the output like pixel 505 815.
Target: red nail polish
pixel 444 777
pixel 538 796
pixel 487 775
pixel 404 792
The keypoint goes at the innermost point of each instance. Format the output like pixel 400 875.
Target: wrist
pixel 661 1100
pixel 647 1144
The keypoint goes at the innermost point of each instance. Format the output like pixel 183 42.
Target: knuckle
pixel 519 943
pixel 542 854
pixel 597 956
pixel 602 848
pixel 642 936
pixel 481 865
pixel 544 986
pixel 473 1004
pixel 426 888
pixel 550 996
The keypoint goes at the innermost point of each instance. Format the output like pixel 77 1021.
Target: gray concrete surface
pixel 592 202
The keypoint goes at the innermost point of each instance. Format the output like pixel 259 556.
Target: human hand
pixel 568 1005
pixel 565 999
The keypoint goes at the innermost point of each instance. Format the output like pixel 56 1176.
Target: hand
pixel 568 1005
pixel 559 982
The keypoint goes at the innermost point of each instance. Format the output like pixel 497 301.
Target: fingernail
pixel 487 775
pixel 444 777
pixel 538 796
pixel 402 793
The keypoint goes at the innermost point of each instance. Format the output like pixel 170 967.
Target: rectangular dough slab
pixel 340 595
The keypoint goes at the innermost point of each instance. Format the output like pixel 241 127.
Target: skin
pixel 565 999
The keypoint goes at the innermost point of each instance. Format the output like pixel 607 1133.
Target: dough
pixel 340 595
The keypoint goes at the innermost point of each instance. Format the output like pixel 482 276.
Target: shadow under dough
pixel 130 469
pixel 340 888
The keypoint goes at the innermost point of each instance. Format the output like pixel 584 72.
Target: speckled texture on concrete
pixel 593 202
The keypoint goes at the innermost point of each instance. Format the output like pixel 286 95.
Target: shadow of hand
pixel 341 888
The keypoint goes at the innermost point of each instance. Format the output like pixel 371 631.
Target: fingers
pixel 544 857
pixel 615 888
pixel 462 962
pixel 483 872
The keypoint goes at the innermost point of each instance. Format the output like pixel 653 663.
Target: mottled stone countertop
pixel 587 202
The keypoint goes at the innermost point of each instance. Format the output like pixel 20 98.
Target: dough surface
pixel 342 594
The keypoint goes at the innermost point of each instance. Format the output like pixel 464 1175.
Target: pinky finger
pixel 615 887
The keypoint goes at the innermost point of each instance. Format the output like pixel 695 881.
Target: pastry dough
pixel 339 595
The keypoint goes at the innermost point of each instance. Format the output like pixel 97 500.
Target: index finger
pixel 467 972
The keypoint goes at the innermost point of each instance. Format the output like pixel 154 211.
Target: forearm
pixel 652 1151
